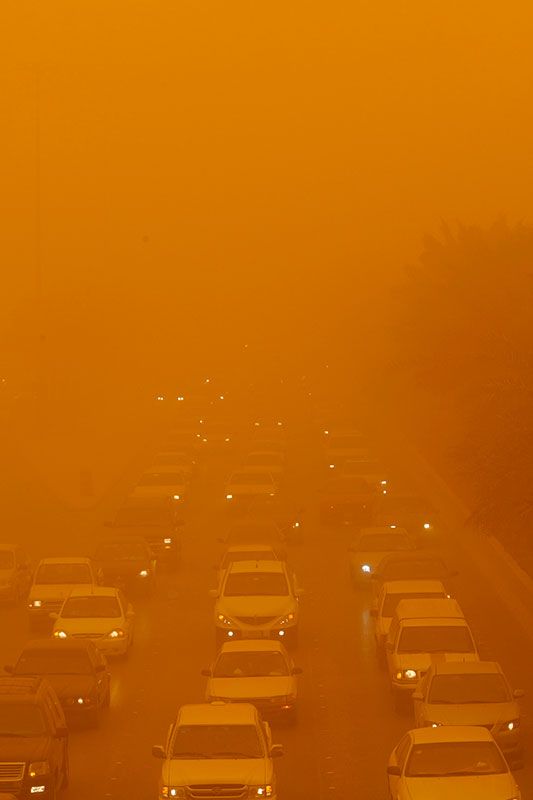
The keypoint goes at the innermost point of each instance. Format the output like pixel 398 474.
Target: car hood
pixel 46 591
pixel 249 771
pixel 269 606
pixel 256 688
pixel 32 748
pixel 424 660
pixel 472 713
pixel 72 685
pixel 99 625
pixel 478 787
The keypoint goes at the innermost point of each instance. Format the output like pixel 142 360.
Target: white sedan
pixel 166 482
pixel 100 613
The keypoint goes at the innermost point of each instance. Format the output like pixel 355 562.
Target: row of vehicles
pixel 468 728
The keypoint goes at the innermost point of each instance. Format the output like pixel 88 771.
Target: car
pixel 217 750
pixel 167 483
pixel 34 752
pixel 257 600
pixel 462 762
pixel 216 436
pixel 266 460
pixel 347 500
pixel 102 615
pixel 411 565
pixel 472 693
pixel 245 489
pixel 15 573
pixel 245 552
pixel 178 460
pixel 370 545
pixel 420 632
pixel 127 562
pixel 341 446
pixel 76 670
pixel 392 593
pixel 157 523
pixel 412 512
pixel 255 671
pixel 370 470
pixel 53 581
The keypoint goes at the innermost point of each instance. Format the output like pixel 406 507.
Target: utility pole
pixel 41 370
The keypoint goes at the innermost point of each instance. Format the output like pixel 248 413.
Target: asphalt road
pixel 347 725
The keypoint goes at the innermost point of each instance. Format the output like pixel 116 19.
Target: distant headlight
pixel 229 497
pixel 172 791
pixel 332 466
pixel 167 541
pixel 261 791
pixel 427 526
pixel 60 634
pixel 406 675
pixel 383 483
pixel 35 603
pixel 176 497
pixel 430 724
pixel 116 633
pixel 366 568
pixel 144 573
pixel 39 768
pixel 512 725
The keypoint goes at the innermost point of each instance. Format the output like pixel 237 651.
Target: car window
pixel 52 574
pixel 251 665
pixel 435 639
pixel 446 759
pixel 217 741
pixel 262 584
pixel 393 598
pixel 469 688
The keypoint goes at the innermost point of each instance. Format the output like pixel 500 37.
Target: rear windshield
pixel 90 608
pixel 435 639
pixel 471 688
pixel 250 665
pixel 53 662
pixel 391 600
pixel 63 573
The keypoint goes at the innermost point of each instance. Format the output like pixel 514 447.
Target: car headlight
pixel 383 483
pixel 229 497
pixel 176 496
pixel 332 466
pixel 287 619
pixel 144 573
pixel 265 790
pixel 116 633
pixel 60 634
pixel 84 701
pixel 366 568
pixel 427 526
pixel 223 620
pixel 406 675
pixel 512 725
pixel 167 541
pixel 429 724
pixel 172 791
pixel 35 603
pixel 39 768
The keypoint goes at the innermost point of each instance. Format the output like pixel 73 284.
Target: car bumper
pixel 112 647
pixel 23 790
pixel 278 634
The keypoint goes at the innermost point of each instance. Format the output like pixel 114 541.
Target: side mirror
pixel 297 671
pixel 158 751
pixel 53 615
pixel 9 669
pixel 394 769
pixel 206 672
pixel 213 593
pixel 516 693
pixel 276 751
pixel 417 696
pixel 61 733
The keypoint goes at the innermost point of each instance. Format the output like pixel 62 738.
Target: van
pixel 424 632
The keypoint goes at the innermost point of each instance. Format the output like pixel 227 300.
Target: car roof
pixel 256 566
pixel 253 645
pixel 56 644
pixel 433 608
pixel 451 733
pixel 415 585
pixel 66 560
pixel 467 668
pixel 96 591
pixel 16 688
pixel 217 713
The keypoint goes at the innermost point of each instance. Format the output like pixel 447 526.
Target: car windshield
pixel 382 543
pixel 121 551
pixel 436 639
pixel 144 518
pixel 347 442
pixel 250 479
pixel 161 479
pixel 63 573
pixel 53 662
pixel 7 559
pixel 248 555
pixel 413 570
pixel 90 607
pixel 454 759
pixel 263 584
pixel 391 600
pixel 216 741
pixel 470 688
pixel 250 665
pixel 21 720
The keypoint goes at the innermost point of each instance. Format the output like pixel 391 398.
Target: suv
pixel 218 750
pixel 76 670
pixel 420 631
pixel 128 563
pixel 33 738
pixel 54 580
pixel 257 600
pixel 15 573
pixel 157 523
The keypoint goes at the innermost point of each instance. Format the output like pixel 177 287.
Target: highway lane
pixel 347 726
